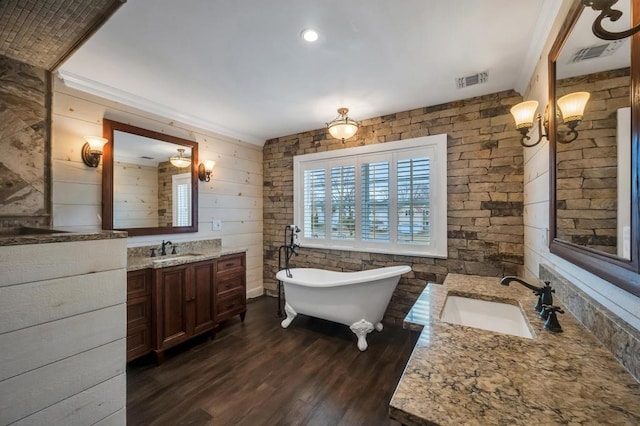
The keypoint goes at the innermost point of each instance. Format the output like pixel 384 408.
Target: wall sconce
pixel 205 169
pixel 180 161
pixel 604 7
pixel 571 107
pixel 342 127
pixel 92 150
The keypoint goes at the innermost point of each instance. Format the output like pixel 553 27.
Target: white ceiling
pixel 240 67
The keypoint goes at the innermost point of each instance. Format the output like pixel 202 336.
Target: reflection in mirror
pixel 149 191
pixel 593 177
pixel 149 181
pixel 596 237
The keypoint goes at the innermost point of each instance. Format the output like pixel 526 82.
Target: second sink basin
pixel 494 316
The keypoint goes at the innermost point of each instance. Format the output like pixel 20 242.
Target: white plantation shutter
pixel 375 201
pixel 181 202
pixel 414 191
pixel 383 198
pixel 314 203
pixel 343 202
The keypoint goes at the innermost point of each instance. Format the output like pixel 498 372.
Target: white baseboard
pixel 255 292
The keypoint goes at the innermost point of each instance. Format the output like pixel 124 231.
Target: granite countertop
pixel 135 263
pixel 462 375
pixel 28 235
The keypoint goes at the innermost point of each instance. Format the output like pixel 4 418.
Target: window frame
pixel 433 147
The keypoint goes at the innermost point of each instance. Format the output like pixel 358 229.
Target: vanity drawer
pixel 230 262
pixel 230 306
pixel 229 282
pixel 138 283
pixel 138 312
pixel 138 342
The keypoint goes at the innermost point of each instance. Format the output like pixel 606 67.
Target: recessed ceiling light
pixel 310 35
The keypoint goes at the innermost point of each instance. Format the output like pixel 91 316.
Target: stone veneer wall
pixel 485 194
pixel 587 167
pixel 24 133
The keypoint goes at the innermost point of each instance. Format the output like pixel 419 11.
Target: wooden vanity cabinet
pixel 231 286
pixel 183 303
pixel 138 313
pixel 167 306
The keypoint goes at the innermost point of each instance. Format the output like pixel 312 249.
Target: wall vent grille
pixel 472 80
pixel 598 51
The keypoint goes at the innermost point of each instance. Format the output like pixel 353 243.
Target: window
pixel 385 198
pixel 181 199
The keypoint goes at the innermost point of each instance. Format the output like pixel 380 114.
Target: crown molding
pixel 548 12
pixel 77 82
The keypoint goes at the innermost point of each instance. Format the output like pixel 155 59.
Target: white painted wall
pixel 233 196
pixel 536 209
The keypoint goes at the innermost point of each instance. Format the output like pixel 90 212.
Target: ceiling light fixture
pixel 309 35
pixel 92 150
pixel 571 108
pixel 180 161
pixel 604 7
pixel 342 127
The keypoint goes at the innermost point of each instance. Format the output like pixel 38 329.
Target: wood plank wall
pixel 137 203
pixel 233 196
pixel 63 333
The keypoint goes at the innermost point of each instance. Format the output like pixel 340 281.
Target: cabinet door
pixel 172 295
pixel 204 303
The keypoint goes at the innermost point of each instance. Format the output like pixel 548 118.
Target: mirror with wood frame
pixel 149 181
pixel 594 178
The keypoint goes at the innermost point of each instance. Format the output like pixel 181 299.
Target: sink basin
pixel 494 316
pixel 171 258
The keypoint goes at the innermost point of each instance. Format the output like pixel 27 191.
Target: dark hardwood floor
pixel 258 373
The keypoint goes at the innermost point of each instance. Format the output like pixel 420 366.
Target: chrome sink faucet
pixel 544 293
pixel 163 249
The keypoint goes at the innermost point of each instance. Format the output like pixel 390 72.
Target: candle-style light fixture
pixel 92 150
pixel 342 127
pixel 205 169
pixel 180 160
pixel 571 108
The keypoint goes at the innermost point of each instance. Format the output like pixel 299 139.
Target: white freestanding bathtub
pixel 356 299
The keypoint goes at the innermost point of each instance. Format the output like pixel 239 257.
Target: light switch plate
pixel 216 225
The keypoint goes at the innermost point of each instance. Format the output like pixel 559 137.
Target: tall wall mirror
pixel 594 179
pixel 149 181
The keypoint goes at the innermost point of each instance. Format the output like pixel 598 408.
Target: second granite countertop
pixel 462 375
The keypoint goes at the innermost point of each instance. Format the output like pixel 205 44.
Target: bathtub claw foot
pixel 361 329
pixel 379 326
pixel 291 314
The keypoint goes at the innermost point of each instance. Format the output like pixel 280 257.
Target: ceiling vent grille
pixel 598 51
pixel 472 80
